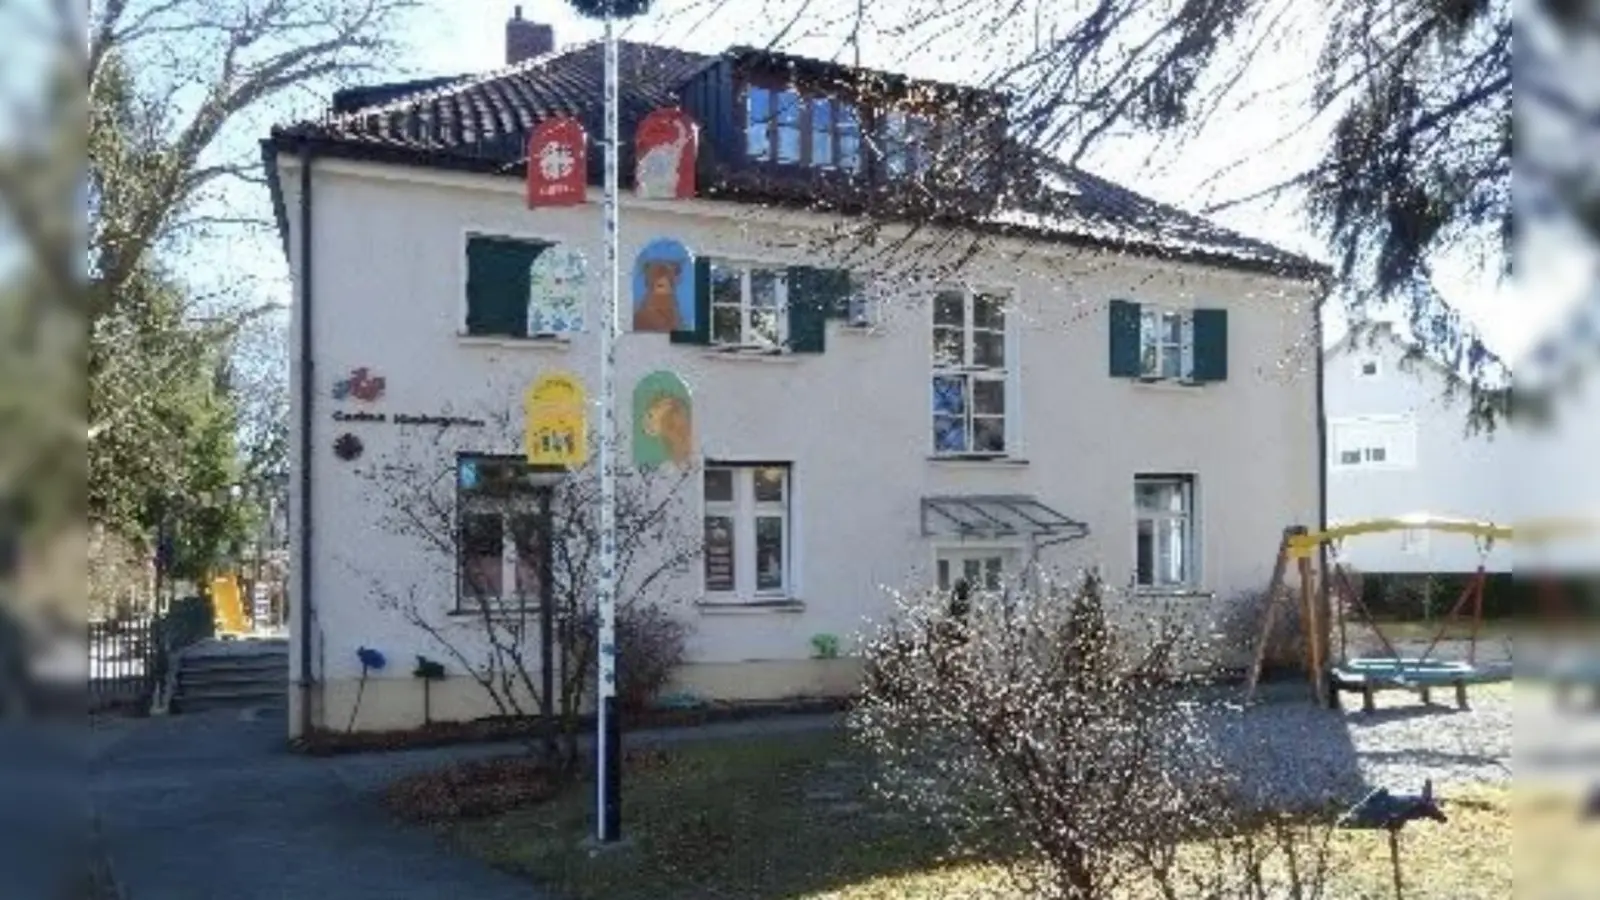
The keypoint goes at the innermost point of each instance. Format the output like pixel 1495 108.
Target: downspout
pixel 1322 456
pixel 307 396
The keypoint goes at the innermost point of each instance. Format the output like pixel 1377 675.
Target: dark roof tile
pixel 480 123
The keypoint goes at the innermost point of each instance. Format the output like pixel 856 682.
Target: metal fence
pixel 124 661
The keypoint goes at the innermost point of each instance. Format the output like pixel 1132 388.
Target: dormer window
pixel 790 127
pixel 906 141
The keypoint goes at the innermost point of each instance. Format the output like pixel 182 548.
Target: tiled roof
pixel 480 123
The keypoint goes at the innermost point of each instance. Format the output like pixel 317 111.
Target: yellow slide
pixel 227 604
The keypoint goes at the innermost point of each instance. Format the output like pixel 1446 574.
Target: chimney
pixel 525 39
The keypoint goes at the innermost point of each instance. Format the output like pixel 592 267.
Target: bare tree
pixel 553 593
pixel 1028 726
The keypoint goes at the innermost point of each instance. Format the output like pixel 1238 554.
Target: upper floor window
pixel 749 304
pixel 1374 442
pixel 906 142
pixel 1151 343
pixel 509 293
pixel 1165 344
pixel 1368 367
pixel 969 373
pixel 787 126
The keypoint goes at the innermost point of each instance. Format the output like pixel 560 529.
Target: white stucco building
pixel 1399 444
pixel 1106 381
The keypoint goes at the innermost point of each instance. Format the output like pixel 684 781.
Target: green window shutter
pixel 836 286
pixel 815 295
pixel 701 332
pixel 1210 345
pixel 1124 339
pixel 497 284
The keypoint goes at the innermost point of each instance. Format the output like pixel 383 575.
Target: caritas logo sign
pixel 558 165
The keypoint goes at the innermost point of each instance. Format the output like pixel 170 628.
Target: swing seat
pixel 1367 674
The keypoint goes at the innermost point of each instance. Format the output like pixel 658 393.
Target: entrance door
pixel 983 569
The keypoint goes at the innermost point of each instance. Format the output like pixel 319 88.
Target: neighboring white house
pixel 1399 444
pixel 1108 382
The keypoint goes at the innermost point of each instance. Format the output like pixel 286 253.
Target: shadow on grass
pixel 790 816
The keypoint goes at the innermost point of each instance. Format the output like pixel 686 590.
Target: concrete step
pixel 238 700
pixel 244 682
pixel 253 663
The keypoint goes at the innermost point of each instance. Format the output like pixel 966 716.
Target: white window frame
pixel 1385 443
pixel 507 509
pixel 953 554
pixel 747 338
pixel 1152 343
pixel 1365 359
pixel 1006 375
pixel 1190 547
pixel 744 509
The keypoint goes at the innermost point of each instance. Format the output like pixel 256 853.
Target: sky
pixel 1245 139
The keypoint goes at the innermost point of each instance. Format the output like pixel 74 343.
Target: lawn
pixel 792 817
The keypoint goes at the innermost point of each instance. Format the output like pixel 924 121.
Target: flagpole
pixel 608 749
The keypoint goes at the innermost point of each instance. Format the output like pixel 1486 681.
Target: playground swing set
pixel 1368 674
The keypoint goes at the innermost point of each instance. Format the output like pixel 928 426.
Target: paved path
pixel 208 806
pixel 212 805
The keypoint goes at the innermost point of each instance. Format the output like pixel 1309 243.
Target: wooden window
pixel 1164 541
pixel 749 304
pixel 1152 343
pixel 787 126
pixel 747 541
pixel 970 375
pixel 501 511
pixel 498 284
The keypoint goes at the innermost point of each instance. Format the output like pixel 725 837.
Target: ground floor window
pixel 502 507
pixel 980 569
pixel 747 542
pixel 1164 555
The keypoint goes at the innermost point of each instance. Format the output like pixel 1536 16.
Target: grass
pixel 742 819
pixel 791 817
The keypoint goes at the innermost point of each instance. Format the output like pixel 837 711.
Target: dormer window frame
pixel 842 140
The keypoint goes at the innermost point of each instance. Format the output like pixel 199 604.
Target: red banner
pixel 557 163
pixel 665 146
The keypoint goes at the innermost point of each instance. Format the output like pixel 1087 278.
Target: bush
pixel 1033 722
pixel 650 646
pixel 1285 650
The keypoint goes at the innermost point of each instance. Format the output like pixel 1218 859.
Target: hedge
pixel 1411 596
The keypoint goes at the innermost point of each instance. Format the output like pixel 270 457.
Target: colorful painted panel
pixel 663 287
pixel 663 421
pixel 556 426
pixel 558 166
pixel 557 280
pixel 665 144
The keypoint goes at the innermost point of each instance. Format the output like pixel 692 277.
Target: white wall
pixel 853 421
pixel 1452 473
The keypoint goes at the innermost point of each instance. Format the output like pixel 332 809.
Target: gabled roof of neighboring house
pixel 479 123
pixel 1487 360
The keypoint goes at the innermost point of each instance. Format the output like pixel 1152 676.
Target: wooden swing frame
pixel 1297 548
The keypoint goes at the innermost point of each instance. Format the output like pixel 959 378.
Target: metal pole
pixel 608 762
